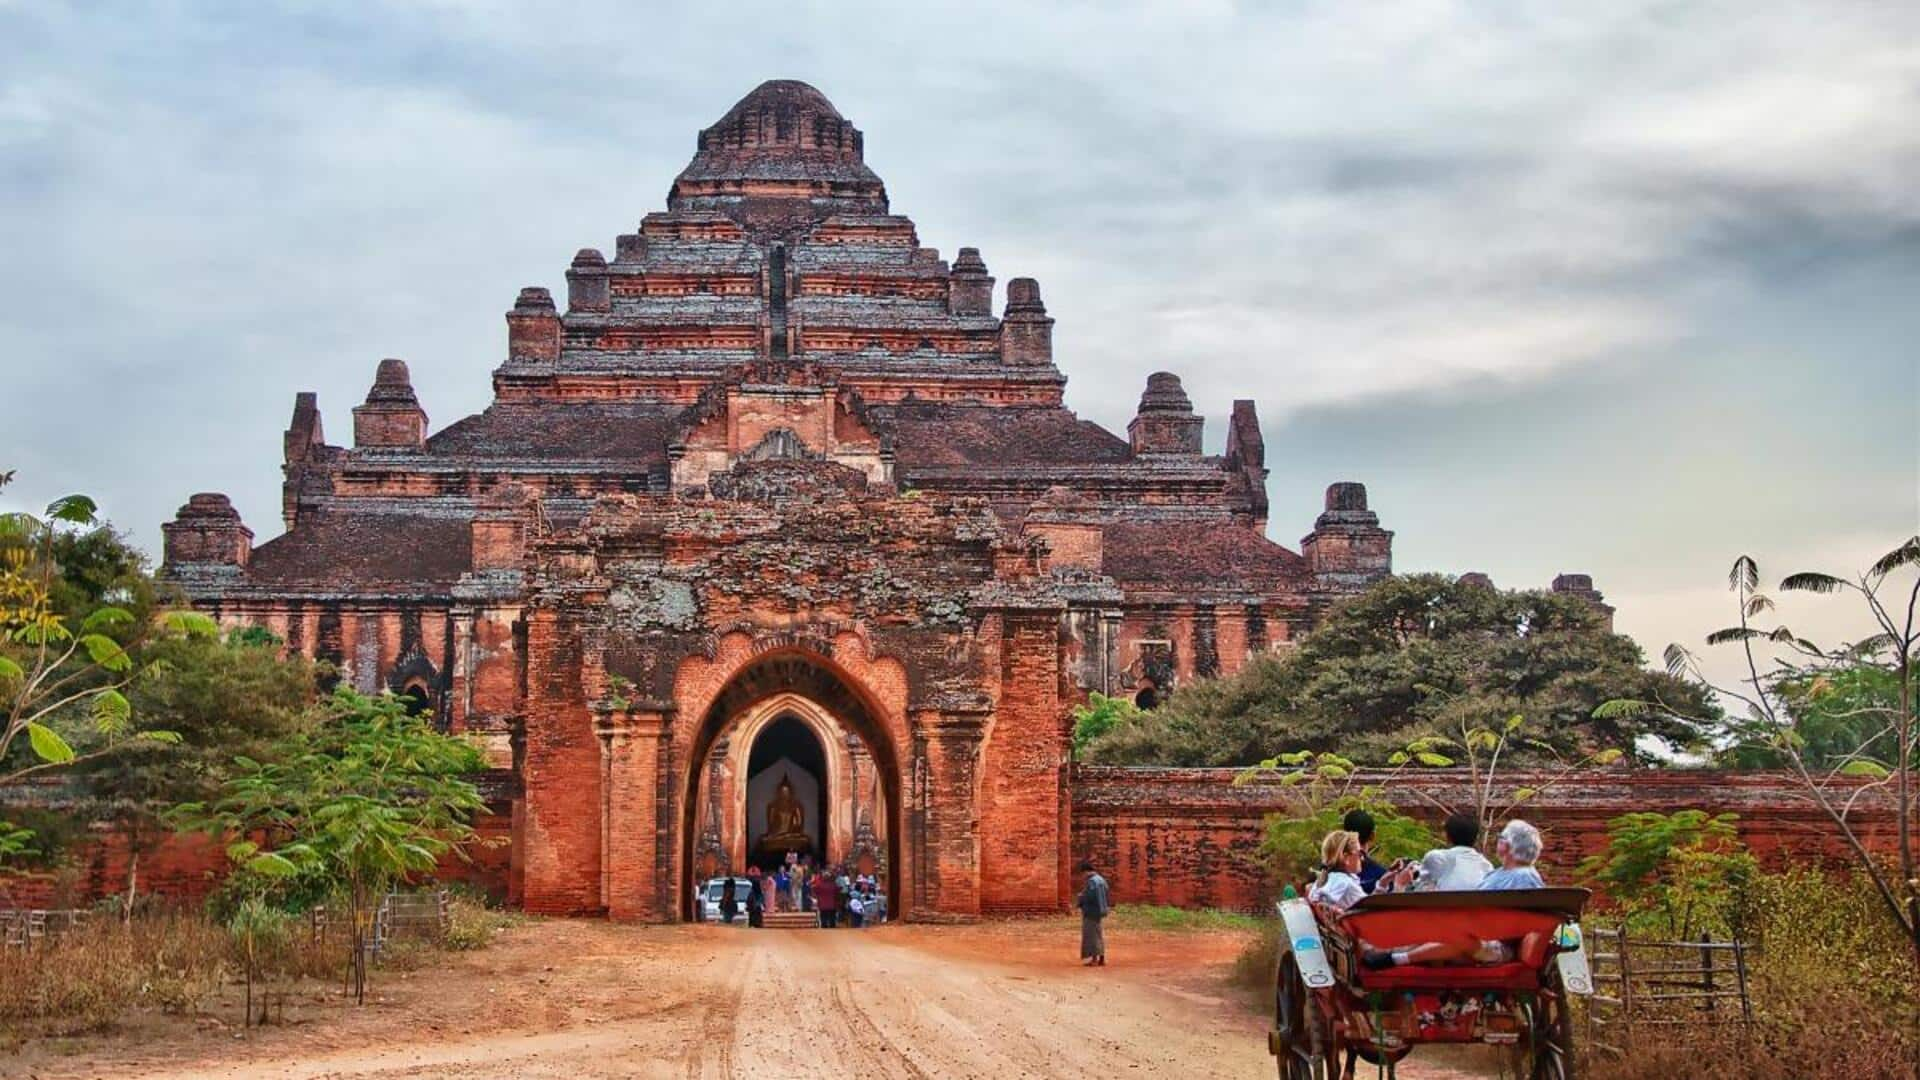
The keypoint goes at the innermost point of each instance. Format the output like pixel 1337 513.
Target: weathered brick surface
pixel 562 775
pixel 1190 837
pixel 1021 773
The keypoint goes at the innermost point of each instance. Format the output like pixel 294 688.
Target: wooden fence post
pixel 1706 970
pixel 1626 979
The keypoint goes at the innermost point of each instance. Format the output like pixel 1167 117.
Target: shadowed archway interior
pixel 814 678
pixel 786 752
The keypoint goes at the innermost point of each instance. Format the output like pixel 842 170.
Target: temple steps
pixel 791 920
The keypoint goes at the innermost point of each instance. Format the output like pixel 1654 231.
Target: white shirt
pixel 1341 891
pixel 1454 869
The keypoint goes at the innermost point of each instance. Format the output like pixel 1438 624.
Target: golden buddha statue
pixel 786 821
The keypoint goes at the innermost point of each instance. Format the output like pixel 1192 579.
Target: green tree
pixel 1100 715
pixel 1482 750
pixel 1839 711
pixel 227 699
pixel 1476 753
pixel 1321 787
pixel 69 649
pixel 1420 654
pixel 365 799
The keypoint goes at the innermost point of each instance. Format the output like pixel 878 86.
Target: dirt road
pixel 583 1000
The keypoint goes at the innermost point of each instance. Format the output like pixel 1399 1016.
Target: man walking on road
pixel 1094 906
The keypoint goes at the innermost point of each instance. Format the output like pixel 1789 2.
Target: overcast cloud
pixel 1621 288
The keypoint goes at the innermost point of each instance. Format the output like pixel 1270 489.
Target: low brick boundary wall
pixel 1185 837
pixel 1190 837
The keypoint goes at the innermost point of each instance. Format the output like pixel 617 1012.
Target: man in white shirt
pixel 1459 868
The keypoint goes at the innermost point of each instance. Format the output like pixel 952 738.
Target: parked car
pixel 707 896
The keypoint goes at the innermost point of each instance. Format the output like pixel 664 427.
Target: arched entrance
pixel 789 807
pixel 791 719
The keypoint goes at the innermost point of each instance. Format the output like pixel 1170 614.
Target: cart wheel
pixel 1300 1046
pixel 1546 1052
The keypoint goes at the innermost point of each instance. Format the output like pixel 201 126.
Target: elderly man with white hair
pixel 1519 848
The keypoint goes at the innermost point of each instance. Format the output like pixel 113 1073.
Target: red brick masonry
pixel 1190 837
pixel 1185 837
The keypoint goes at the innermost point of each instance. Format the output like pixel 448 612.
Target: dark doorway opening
pixel 787 795
pixel 416 699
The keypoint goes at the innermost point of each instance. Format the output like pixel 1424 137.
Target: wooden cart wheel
pixel 1301 1053
pixel 1546 1049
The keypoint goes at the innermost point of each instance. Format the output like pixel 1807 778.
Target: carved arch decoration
pixel 723 790
pixel 751 681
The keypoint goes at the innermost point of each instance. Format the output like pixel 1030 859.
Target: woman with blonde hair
pixel 1339 886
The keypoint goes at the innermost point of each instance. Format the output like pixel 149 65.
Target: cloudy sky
pixel 1624 288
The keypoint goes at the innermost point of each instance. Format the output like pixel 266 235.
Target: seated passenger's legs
pixel 1461 948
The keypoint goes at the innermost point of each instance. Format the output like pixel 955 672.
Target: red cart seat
pixel 1513 976
pixel 1528 917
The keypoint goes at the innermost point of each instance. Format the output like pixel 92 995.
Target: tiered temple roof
pixel 777 268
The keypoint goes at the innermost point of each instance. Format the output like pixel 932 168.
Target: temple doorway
pixel 791 757
pixel 788 805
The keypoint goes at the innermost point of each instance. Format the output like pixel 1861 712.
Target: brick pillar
pixel 946 854
pixel 1110 662
pixel 517 850
pixel 1022 771
pixel 633 744
pixel 560 773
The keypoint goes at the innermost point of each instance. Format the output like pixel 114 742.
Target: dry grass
pixel 1833 987
pixel 1827 1038
pixel 1253 968
pixel 84 979
pixel 180 961
pixel 472 925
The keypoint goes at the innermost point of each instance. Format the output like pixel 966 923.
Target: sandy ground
pixel 583 1000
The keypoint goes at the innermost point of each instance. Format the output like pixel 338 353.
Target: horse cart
pixel 1332 1012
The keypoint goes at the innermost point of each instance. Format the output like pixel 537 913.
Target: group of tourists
pixel 1349 873
pixel 798 885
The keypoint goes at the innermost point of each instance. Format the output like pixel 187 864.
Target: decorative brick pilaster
pixel 1023 770
pixel 946 871
pixel 633 747
pixel 561 772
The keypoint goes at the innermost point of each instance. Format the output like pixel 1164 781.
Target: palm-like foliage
pixel 1845 720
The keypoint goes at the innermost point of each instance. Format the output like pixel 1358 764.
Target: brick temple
pixel 781 509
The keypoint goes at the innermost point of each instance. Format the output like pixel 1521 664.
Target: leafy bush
pixel 1676 874
pixel 362 802
pixel 1099 716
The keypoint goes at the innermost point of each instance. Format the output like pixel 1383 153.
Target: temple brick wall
pixel 1191 837
pixel 190 866
pixel 1021 775
pixel 1182 837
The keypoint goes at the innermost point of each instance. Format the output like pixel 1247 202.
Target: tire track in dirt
pixel 710 1056
pixel 703 1003
pixel 882 1054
